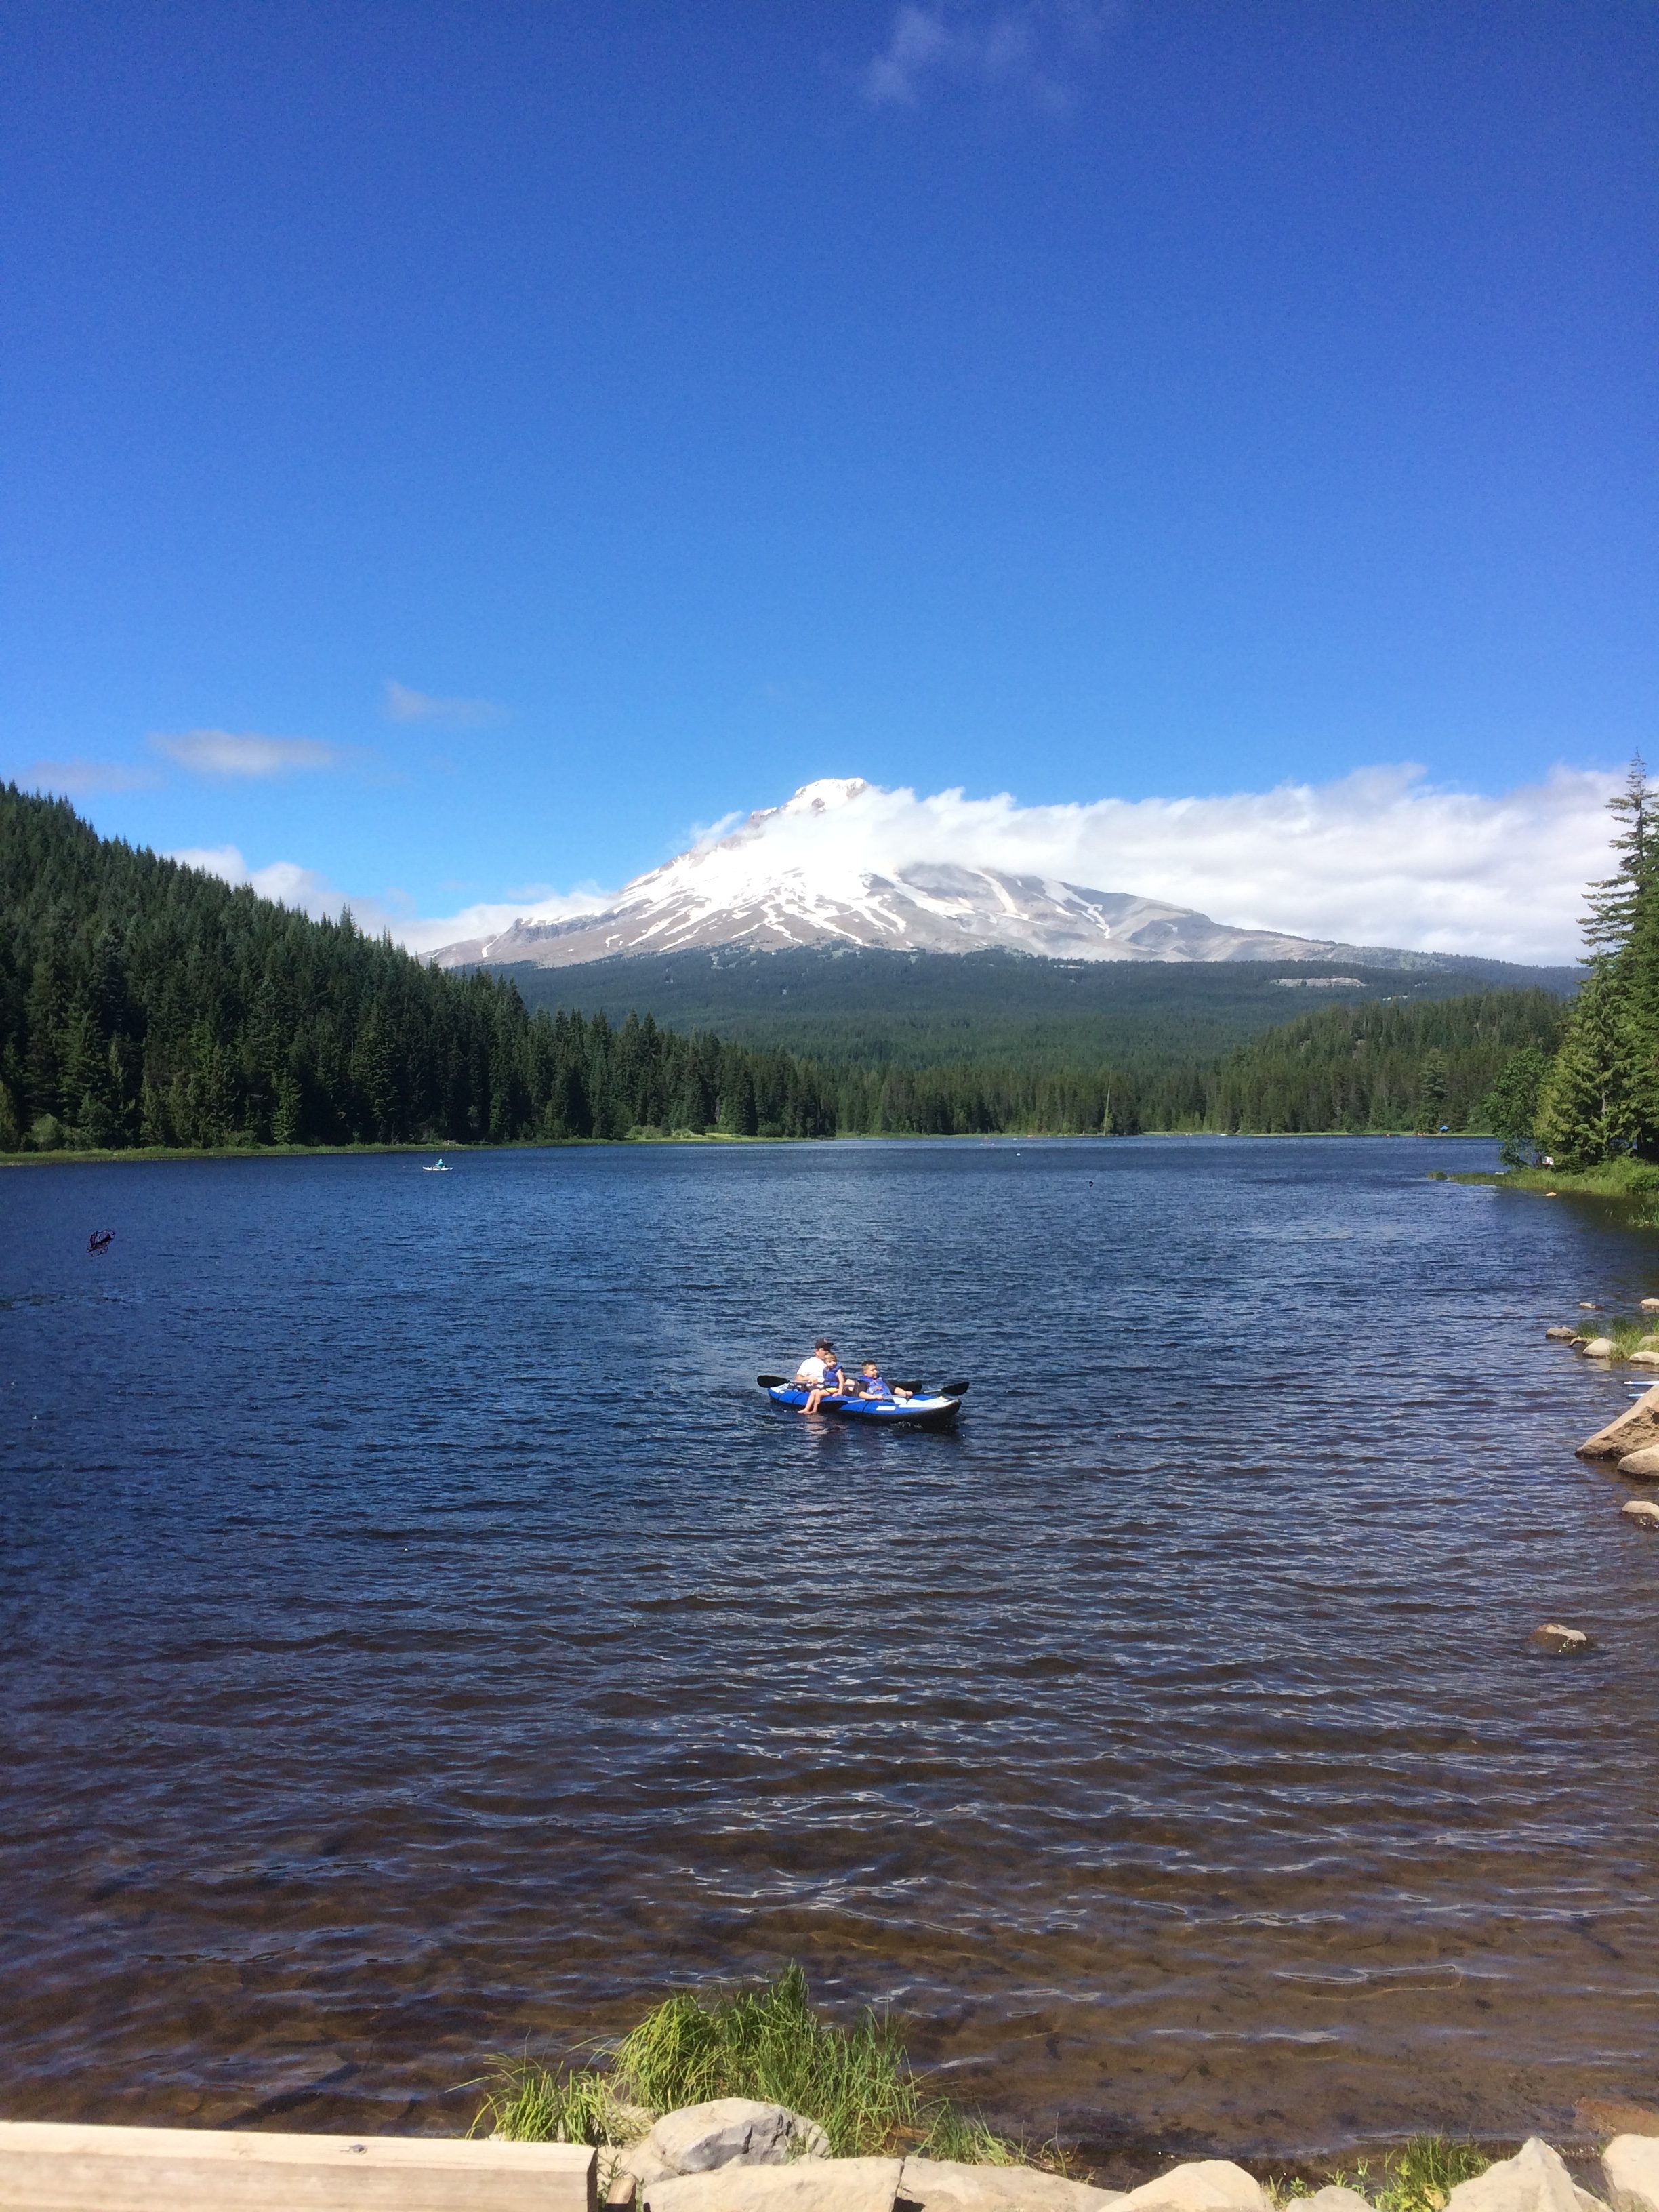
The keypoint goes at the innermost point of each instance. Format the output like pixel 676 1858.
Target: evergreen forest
pixel 145 1004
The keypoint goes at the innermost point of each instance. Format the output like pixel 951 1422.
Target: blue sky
pixel 679 404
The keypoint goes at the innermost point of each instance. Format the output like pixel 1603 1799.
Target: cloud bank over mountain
pixel 1381 857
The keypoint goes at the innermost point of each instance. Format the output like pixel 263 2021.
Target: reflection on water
pixel 420 1637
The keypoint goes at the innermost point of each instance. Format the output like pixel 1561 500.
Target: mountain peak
pixel 780 880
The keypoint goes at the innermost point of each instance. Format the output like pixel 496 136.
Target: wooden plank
pixel 48 2167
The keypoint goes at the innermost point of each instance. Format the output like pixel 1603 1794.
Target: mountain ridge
pixel 737 891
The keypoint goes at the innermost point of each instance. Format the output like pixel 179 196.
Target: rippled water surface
pixel 420 1637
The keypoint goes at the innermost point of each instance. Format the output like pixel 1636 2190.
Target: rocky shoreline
pixel 737 2155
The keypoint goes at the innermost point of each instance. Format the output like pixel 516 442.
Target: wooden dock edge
pixel 51 2166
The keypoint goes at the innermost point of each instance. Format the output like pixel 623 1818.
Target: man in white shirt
pixel 819 1377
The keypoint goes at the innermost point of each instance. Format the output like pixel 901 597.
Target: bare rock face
pixel 734 2131
pixel 1207 2184
pixel 1534 2180
pixel 810 2184
pixel 946 2185
pixel 1631 2164
pixel 1643 1464
pixel 1553 1636
pixel 1632 1429
pixel 1645 1514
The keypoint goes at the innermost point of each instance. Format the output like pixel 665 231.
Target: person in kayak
pixel 873 1384
pixel 820 1376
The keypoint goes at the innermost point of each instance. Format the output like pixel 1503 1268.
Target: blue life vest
pixel 874 1386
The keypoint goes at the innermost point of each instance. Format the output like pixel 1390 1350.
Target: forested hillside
pixel 145 1003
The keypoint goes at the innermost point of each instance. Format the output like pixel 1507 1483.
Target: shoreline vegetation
pixel 1630 1186
pixel 855 2085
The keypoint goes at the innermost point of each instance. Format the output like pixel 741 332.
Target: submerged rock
pixel 1631 2164
pixel 1636 1426
pixel 1534 2180
pixel 1645 1514
pixel 1554 1636
pixel 946 2185
pixel 1617 2115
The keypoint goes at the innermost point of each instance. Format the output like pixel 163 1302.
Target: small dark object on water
pixel 99 1241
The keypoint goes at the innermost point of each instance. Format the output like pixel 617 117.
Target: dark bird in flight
pixel 99 1241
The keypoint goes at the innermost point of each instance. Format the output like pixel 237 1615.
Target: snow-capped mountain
pixel 778 881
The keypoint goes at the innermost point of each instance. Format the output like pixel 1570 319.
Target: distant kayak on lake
pixel 936 1409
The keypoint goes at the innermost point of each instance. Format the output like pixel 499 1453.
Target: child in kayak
pixel 820 1376
pixel 873 1384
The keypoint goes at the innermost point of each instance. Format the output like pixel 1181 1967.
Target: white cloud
pixel 402 705
pixel 1381 857
pixel 75 777
pixel 230 752
pixel 282 880
pixel 1034 48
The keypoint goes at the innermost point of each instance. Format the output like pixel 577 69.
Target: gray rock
pixel 1631 2164
pixel 733 2132
pixel 1332 2199
pixel 1642 1510
pixel 946 2185
pixel 1631 1430
pixel 1599 1348
pixel 810 2184
pixel 1643 1464
pixel 1559 1336
pixel 1643 1358
pixel 1534 2180
pixel 1553 1636
pixel 1205 2185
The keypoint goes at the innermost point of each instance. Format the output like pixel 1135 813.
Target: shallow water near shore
pixel 419 1640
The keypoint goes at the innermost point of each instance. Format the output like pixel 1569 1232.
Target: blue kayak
pixel 917 1413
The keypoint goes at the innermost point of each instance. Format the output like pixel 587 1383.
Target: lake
pixel 422 1641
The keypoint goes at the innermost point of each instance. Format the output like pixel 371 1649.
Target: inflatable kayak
pixel 932 1412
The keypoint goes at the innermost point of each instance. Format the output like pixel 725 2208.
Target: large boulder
pixel 733 2131
pixel 946 2185
pixel 1599 1348
pixel 1636 1426
pixel 1206 2184
pixel 810 2184
pixel 1631 2164
pixel 1534 2180
pixel 1643 1465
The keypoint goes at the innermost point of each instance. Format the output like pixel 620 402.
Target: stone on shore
pixel 1644 1360
pixel 1645 1514
pixel 1331 2198
pixel 1555 1635
pixel 1643 1464
pixel 1559 1336
pixel 810 2184
pixel 1631 2164
pixel 1534 2180
pixel 1638 1425
pixel 946 2185
pixel 1206 2184
pixel 1651 1305
pixel 734 2131
pixel 1599 1348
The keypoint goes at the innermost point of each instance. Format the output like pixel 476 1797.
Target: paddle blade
pixel 952 1389
pixel 771 1381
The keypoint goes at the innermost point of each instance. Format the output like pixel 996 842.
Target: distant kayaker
pixel 820 1376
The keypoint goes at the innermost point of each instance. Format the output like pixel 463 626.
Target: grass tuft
pixel 767 2042
pixel 1422 2175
